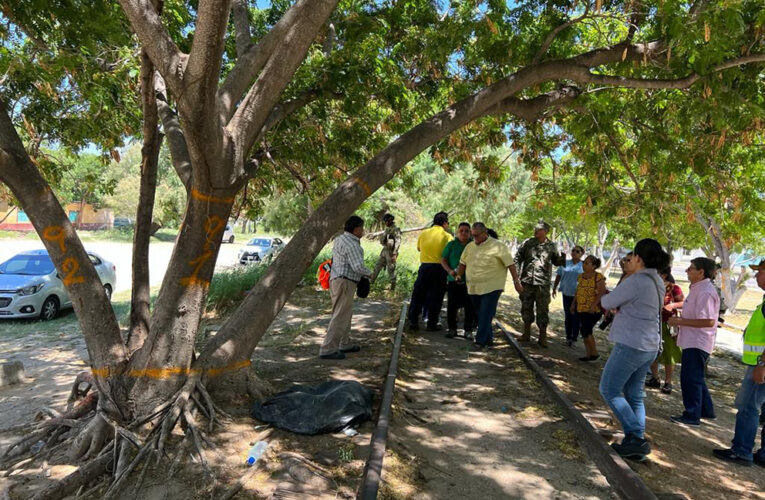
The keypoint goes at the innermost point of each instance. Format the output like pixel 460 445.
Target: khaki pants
pixel 339 330
pixel 385 262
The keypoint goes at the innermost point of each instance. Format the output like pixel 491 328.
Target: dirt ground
pixel 326 466
pixel 681 463
pixel 479 425
pixel 465 425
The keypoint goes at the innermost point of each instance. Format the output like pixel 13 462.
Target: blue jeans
pixel 572 319
pixel 696 398
pixel 621 386
pixel 749 401
pixel 485 307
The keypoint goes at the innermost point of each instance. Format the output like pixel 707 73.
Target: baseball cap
pixel 542 225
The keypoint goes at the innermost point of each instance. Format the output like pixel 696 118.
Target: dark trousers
pixel 587 322
pixel 696 398
pixel 572 319
pixel 485 308
pixel 457 297
pixel 428 292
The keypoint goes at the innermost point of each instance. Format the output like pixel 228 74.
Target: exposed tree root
pixel 104 445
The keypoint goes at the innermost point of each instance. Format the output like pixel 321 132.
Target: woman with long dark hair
pixel 636 334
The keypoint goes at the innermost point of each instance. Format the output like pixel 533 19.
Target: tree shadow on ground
pixel 681 462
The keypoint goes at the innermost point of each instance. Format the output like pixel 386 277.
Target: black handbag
pixel 362 288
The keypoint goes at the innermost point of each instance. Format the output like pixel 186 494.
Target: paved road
pixel 121 255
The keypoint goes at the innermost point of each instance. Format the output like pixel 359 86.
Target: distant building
pixel 82 215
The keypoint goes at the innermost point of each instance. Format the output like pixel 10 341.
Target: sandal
pixel 666 388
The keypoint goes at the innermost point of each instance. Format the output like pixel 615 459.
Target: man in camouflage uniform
pixel 534 260
pixel 390 241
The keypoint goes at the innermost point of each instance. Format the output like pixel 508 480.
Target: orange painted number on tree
pixel 70 267
pixel 214 227
pixel 56 234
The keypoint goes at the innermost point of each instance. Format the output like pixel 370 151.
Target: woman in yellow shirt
pixel 591 286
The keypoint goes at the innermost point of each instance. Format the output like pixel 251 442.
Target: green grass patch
pixel 228 288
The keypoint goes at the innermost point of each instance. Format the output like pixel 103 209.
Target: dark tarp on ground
pixel 329 407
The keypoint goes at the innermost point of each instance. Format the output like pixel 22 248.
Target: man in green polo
pixel 456 291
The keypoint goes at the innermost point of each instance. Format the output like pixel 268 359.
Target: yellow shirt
pixel 587 292
pixel 431 244
pixel 486 266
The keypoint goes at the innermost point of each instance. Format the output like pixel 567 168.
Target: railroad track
pixel 625 482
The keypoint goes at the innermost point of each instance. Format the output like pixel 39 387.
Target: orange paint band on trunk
pixel 164 373
pixel 363 185
pixel 207 197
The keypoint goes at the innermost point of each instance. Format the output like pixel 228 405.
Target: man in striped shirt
pixel 347 269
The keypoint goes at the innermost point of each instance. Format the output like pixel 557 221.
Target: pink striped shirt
pixel 702 302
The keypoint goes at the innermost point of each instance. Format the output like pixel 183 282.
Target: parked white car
pixel 257 249
pixel 228 234
pixel 30 287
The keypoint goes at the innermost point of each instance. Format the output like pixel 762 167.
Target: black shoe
pixel 478 347
pixel 632 447
pixel 682 420
pixel 451 333
pixel 759 460
pixel 711 417
pixel 333 355
pixel 729 456
pixel 437 328
pixel 594 357
pixel 353 348
pixel 653 383
pixel 413 327
pixel 667 389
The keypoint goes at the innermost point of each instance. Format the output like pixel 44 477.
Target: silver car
pixel 30 287
pixel 257 249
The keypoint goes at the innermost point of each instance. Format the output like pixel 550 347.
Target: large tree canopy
pixel 339 96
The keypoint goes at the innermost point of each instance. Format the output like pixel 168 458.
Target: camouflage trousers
pixel 539 295
pixel 385 262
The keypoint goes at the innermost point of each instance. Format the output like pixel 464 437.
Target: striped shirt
pixel 348 258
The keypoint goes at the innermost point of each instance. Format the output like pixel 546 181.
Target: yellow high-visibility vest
pixel 754 337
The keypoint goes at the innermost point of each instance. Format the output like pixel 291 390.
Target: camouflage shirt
pixel 534 261
pixel 390 239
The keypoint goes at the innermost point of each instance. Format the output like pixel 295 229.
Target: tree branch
pixel 179 152
pixel 551 36
pixel 252 61
pixel 203 68
pixel 286 108
pixel 165 55
pixel 140 298
pixel 531 109
pixel 585 76
pixel 622 157
pixel 94 311
pixel 277 73
pixel 240 15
